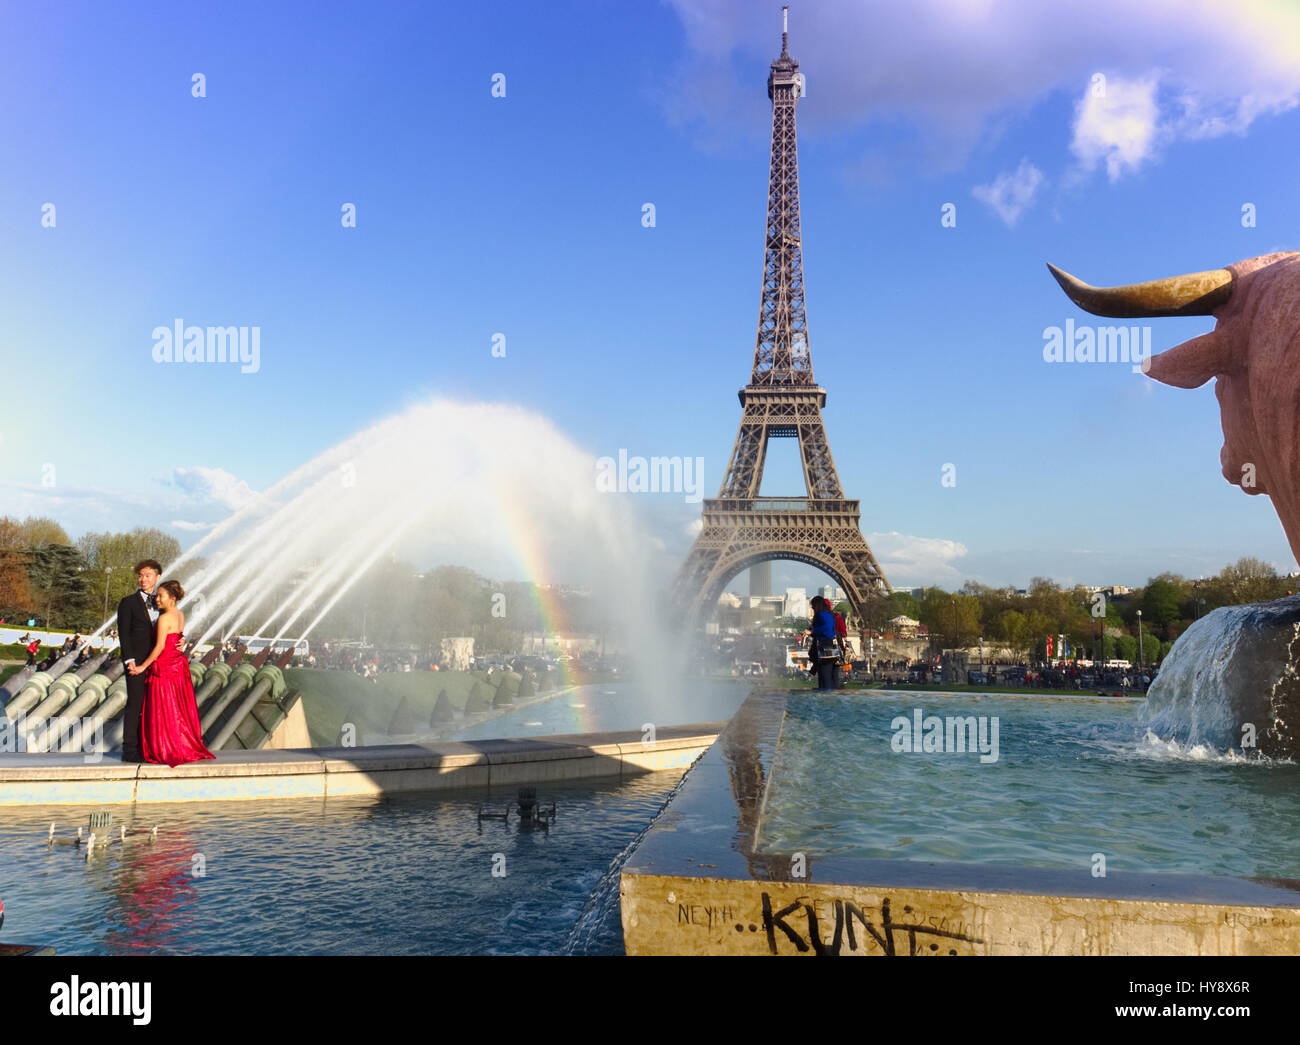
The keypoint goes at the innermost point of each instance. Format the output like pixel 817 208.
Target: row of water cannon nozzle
pixel 39 704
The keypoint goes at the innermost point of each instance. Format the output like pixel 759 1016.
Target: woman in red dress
pixel 169 722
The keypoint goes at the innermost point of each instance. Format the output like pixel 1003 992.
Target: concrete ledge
pixel 680 915
pixel 232 764
pixel 66 779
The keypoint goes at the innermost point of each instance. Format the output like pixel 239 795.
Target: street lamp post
pixel 108 570
pixel 1141 657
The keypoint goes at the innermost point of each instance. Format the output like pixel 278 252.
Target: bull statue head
pixel 1253 352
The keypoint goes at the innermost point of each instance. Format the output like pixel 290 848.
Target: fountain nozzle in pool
pixel 531 812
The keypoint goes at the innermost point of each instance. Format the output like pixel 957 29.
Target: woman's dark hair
pixel 817 603
pixel 174 589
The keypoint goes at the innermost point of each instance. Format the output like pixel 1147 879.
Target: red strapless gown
pixel 169 722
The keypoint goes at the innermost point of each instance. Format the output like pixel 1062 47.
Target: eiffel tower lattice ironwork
pixel 781 401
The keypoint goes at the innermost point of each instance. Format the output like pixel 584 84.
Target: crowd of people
pixel 1040 676
pixel 368 661
pixel 72 644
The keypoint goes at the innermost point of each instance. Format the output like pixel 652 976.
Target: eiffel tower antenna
pixel 781 401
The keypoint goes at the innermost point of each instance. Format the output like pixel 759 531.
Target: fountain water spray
pixel 495 486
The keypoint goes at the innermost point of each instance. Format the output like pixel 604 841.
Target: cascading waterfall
pixel 1231 682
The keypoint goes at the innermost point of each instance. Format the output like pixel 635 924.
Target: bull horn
pixel 1195 294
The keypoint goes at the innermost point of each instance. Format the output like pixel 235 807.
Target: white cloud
pixel 1011 193
pixel 942 76
pixel 196 491
pixel 1116 121
pixel 210 486
pixel 914 561
pixel 693 528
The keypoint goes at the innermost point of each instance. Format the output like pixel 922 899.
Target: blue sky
pixel 522 215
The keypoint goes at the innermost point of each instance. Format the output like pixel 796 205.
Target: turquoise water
pixel 1072 778
pixel 404 874
pixel 617 706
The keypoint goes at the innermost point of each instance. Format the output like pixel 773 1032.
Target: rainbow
pixel 528 548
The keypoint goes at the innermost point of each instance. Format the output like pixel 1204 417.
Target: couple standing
pixel 162 720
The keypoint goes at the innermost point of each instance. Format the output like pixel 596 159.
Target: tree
pixel 1046 597
pixel 1012 628
pixel 443 712
pixel 1160 601
pixel 903 603
pixel 111 559
pixel 1037 627
pixel 954 618
pixel 877 610
pixel 18 543
pixel 35 531
pixel 480 698
pixel 59 585
pixel 1247 580
pixel 15 595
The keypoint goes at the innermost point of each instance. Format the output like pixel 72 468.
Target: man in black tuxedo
pixel 135 618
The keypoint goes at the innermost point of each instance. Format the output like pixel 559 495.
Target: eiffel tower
pixel 783 401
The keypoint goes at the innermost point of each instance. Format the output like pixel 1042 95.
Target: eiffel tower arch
pixel 781 401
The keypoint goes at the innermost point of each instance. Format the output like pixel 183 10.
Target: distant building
pixel 796 603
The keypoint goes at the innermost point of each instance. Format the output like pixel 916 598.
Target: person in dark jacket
pixel 135 616
pixel 824 648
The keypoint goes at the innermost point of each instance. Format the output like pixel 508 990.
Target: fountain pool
pixel 602 707
pixel 403 874
pixel 1073 777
